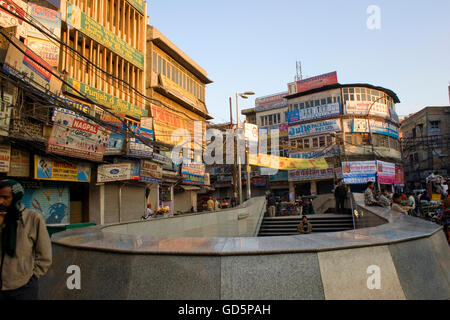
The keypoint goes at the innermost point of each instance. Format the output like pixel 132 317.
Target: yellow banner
pixel 281 163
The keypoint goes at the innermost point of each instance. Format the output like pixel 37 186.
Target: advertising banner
pixel 359 107
pixel 7 20
pixel 135 173
pixel 376 126
pixel 193 169
pixel 193 179
pixel 251 132
pixel 39 74
pixel 138 148
pixel 399 176
pixel 258 182
pixel 114 172
pixel 317 82
pixel 281 163
pixel 314 113
pixel 71 103
pixel 48 169
pixel 311 174
pixel 94 30
pixel 51 20
pixel 359 172
pixel 20 163
pixel 77 138
pixel 115 104
pixel 315 128
pixel 44 49
pixel 159 158
pixel 315 155
pixel 271 102
pixel 386 172
pixel 166 122
pixel 51 202
pixel 5 158
pixel 151 172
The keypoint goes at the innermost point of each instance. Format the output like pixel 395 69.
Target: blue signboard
pixel 314 113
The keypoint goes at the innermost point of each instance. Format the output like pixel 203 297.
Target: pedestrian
pixel 369 199
pixel 384 200
pixel 308 208
pixel 305 226
pixel 26 252
pixel 396 205
pixel 210 204
pixel 217 205
pixel 340 195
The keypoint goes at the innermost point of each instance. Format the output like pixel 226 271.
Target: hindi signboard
pixel 399 176
pixel 271 102
pixel 359 172
pixel 386 172
pixel 311 174
pixel 317 82
pixel 5 158
pixel 362 108
pixel 76 137
pixel 48 169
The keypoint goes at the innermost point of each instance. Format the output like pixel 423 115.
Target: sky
pixel 253 45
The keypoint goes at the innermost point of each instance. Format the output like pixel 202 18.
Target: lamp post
pixel 243 96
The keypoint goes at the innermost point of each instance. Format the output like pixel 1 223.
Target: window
pixel 414 132
pixel 159 64
pixel 279 118
pixel 262 121
pixel 294 144
pixel 323 102
pixel 317 103
pixel 302 105
pixel 329 141
pixel 164 67
pixel 322 141
pixel 296 106
pixel 365 138
pixel 435 124
pixel 155 62
pixel 315 142
pixel 306 143
pixel 329 100
pixel 300 144
pixel 270 120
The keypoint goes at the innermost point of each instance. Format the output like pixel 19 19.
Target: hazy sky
pixel 254 44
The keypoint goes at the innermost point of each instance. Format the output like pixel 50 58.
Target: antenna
pixel 299 73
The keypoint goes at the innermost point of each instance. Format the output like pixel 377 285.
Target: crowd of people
pixel 277 206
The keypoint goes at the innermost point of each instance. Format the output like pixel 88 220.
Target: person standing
pixel 26 252
pixel 340 195
pixel 210 204
pixel 217 205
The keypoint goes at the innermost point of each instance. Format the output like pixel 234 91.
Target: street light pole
pixel 238 156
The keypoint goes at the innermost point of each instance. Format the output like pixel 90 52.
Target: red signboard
pixel 270 100
pixel 317 82
pixel 399 176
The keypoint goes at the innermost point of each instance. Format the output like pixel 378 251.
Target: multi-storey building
pixel 425 140
pixel 345 123
pixel 176 86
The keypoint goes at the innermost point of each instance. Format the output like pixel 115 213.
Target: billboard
pixel 311 174
pixel 48 169
pixel 6 106
pixel 386 172
pixel 166 122
pixel 317 82
pixel 94 30
pixel 45 49
pixel 376 126
pixel 359 172
pixel 114 172
pixel 315 128
pixel 49 18
pixel 399 176
pixel 7 20
pixel 77 137
pixel 39 73
pixel 361 107
pixel 137 147
pixel 314 113
pixel 151 172
pixel 271 102
pixel 281 163
pixel 251 132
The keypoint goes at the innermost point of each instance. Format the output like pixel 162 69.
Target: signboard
pixel 280 163
pixel 51 20
pixel 94 30
pixel 20 163
pixel 114 172
pixel 193 179
pixel 386 172
pixel 5 157
pixel 359 172
pixel 137 147
pixel 193 169
pixel 282 175
pixel 359 107
pixel 166 122
pixel 376 126
pixel 51 202
pixel 314 155
pixel 151 172
pixel 78 138
pixel 44 49
pixel 39 73
pixel 399 176
pixel 159 158
pixel 313 113
pixel 7 20
pixel 115 144
pixel 311 174
pixel 48 169
pixel 115 104
pixel 315 128
pixel 139 5
pixel 135 173
pixel 317 82
pixel 258 182
pixel 71 103
pixel 251 132
pixel 6 106
pixel 271 102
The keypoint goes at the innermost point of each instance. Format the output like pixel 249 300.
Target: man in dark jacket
pixel 25 247
pixel 340 195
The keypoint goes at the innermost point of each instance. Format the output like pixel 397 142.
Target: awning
pixel 190 188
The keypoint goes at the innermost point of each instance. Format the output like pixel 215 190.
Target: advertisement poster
pixel 20 163
pixel 251 132
pixel 314 113
pixel 71 136
pixel 94 30
pixel 271 102
pixel 166 122
pixel 359 172
pixel 115 144
pixel 114 172
pixel 151 172
pixel 8 20
pixel 359 107
pixel 51 19
pixel 40 75
pixel 311 174
pixel 386 172
pixel 315 155
pixel 52 202
pixel 315 128
pixel 376 126
pixel 5 157
pixel 137 147
pixel 45 49
pixel 135 173
pixel 282 175
pixel 281 163
pixel 48 169
pixel 193 169
pixel 399 176
pixel 317 82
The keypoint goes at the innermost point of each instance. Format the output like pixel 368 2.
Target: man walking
pixel 25 245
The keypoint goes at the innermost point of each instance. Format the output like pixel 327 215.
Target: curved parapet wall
pixel 407 258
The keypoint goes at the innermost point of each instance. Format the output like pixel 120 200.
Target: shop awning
pixel 190 188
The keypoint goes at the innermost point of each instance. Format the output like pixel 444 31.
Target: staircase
pixel 287 226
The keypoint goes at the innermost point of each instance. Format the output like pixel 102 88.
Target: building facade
pixel 425 141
